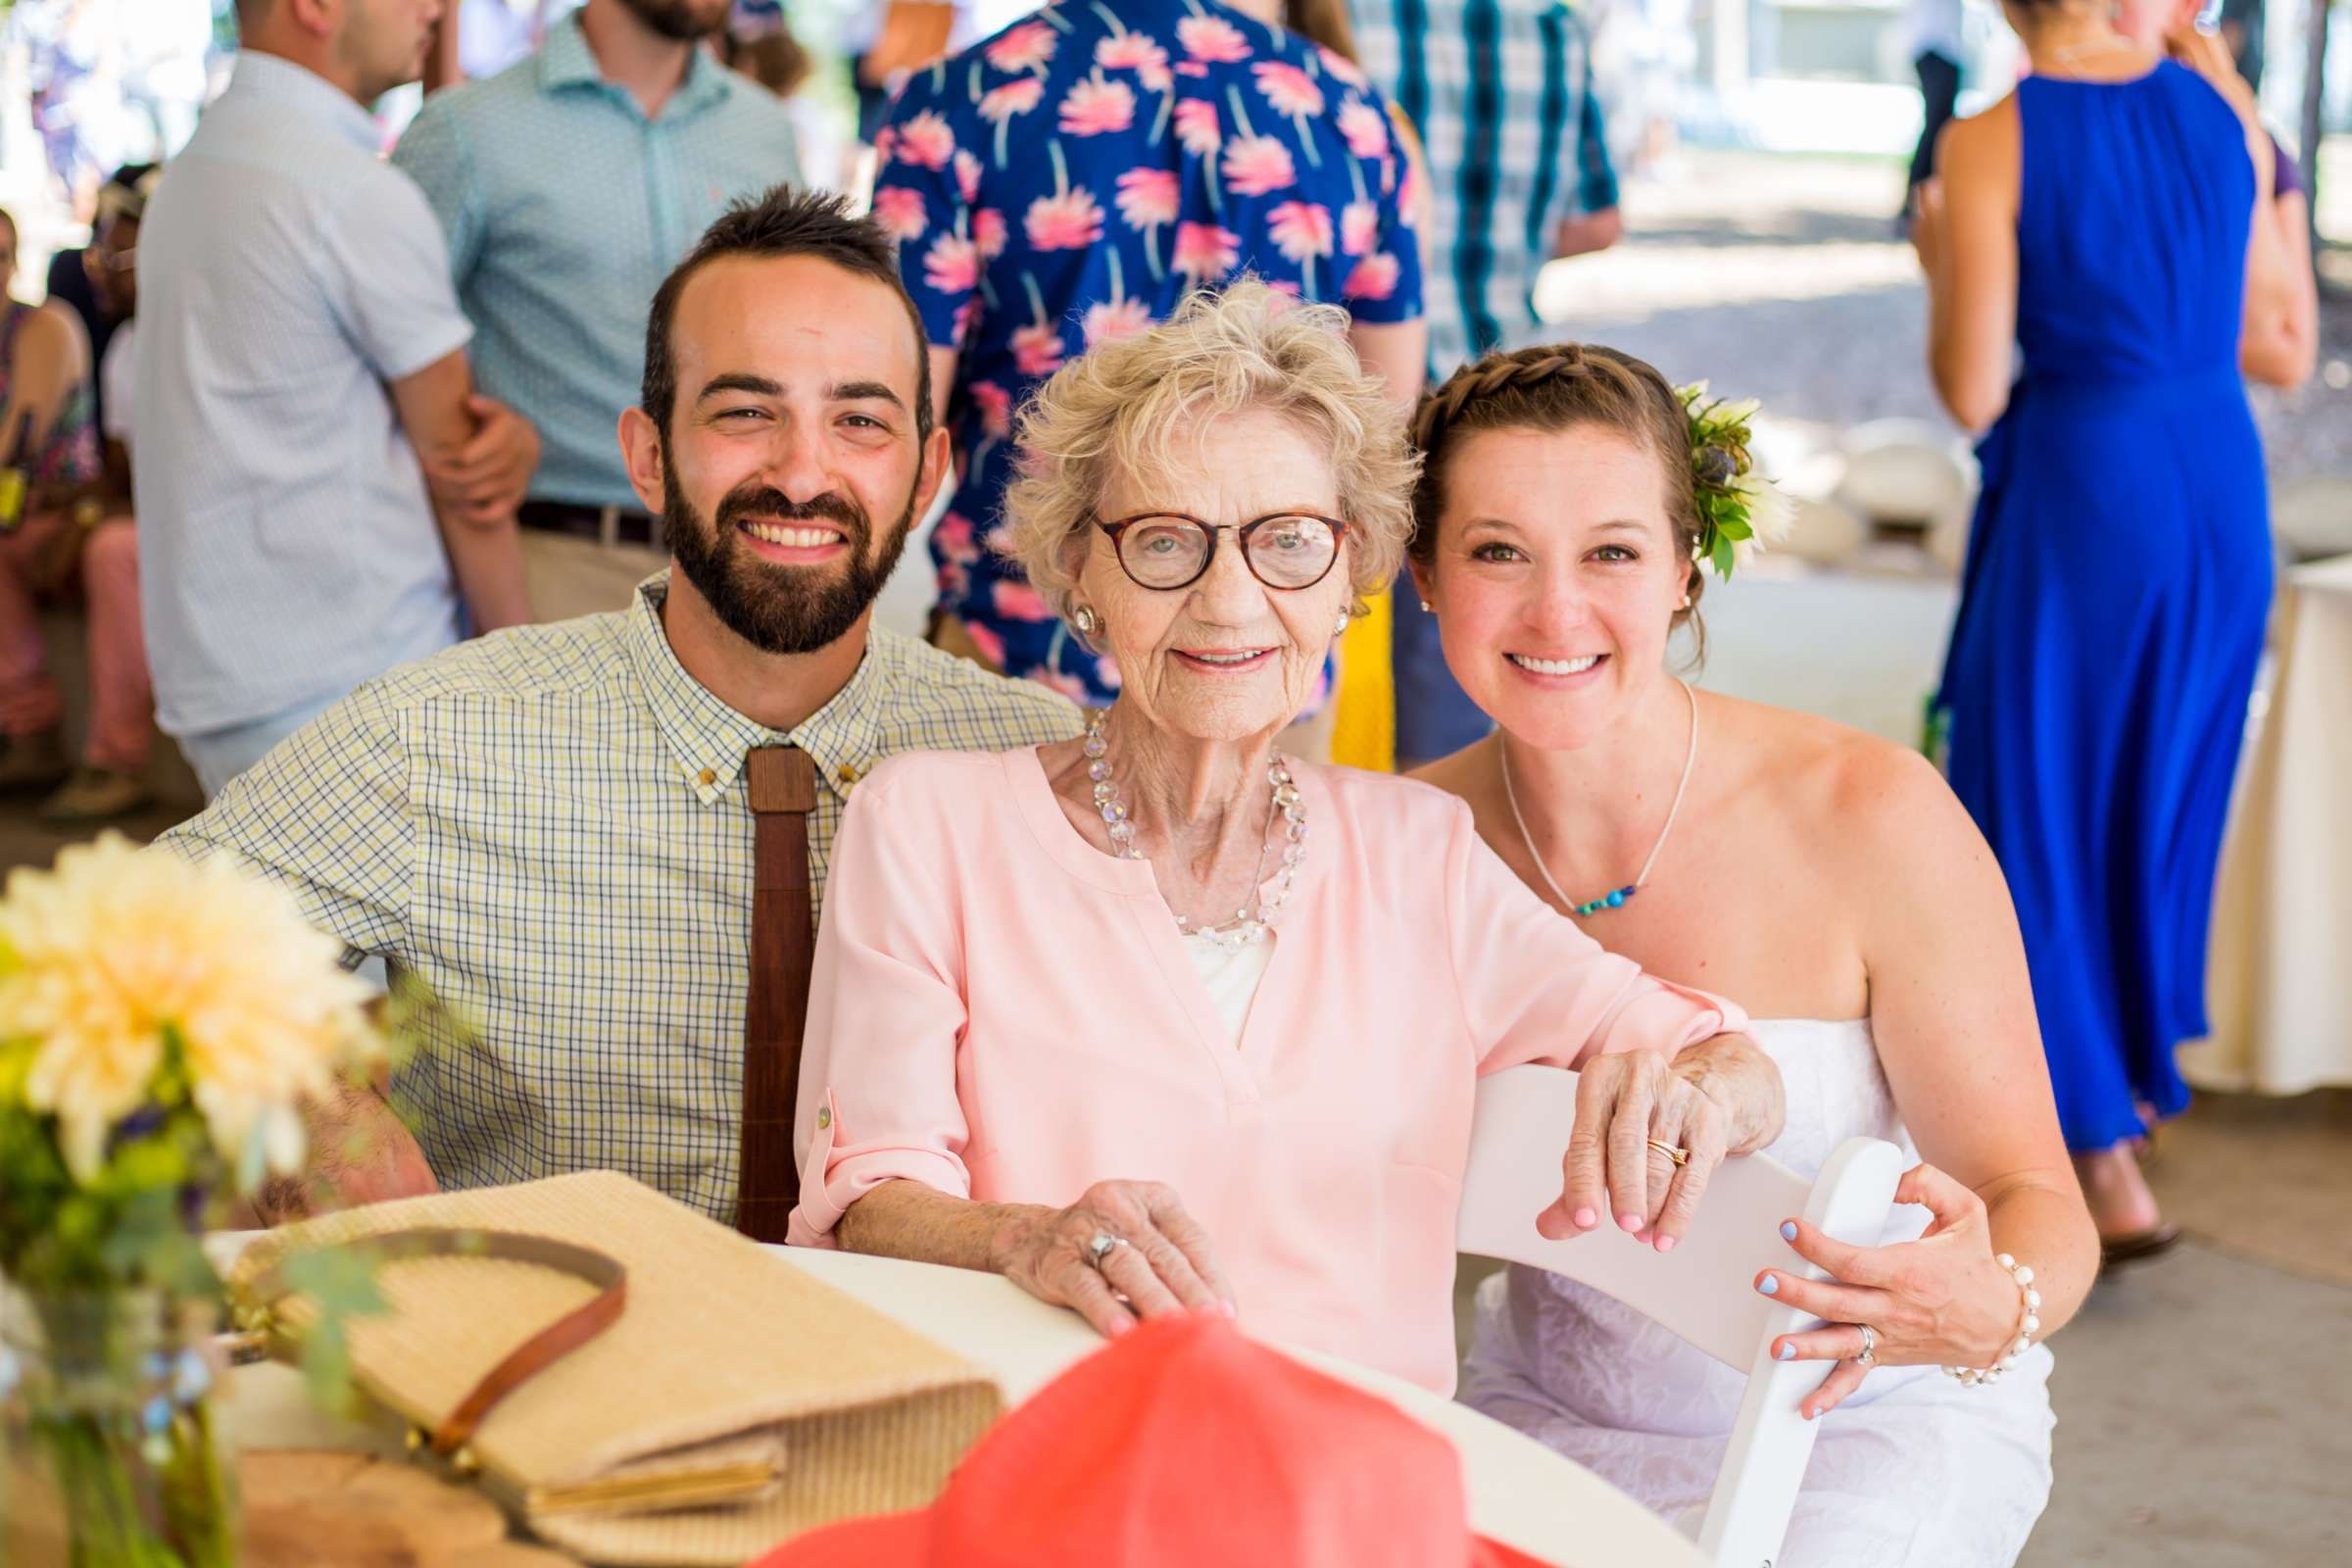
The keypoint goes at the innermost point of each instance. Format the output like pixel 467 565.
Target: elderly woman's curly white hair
pixel 1125 407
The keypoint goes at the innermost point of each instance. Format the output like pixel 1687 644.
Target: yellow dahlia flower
pixel 100 955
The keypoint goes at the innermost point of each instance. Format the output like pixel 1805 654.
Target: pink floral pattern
pixel 1115 319
pixel 926 141
pixel 1096 106
pixel 1291 90
pixel 951 264
pixel 1037 350
pixel 1205 253
pixel 899 208
pixel 989 233
pixel 1365 127
pixel 1149 197
pixel 1372 278
pixel 1069 221
pixel 1258 165
pixel 1197 126
pixel 1212 40
pixel 1136 52
pixel 1028 46
pixel 1065 184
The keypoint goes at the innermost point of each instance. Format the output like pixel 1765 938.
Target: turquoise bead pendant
pixel 1614 900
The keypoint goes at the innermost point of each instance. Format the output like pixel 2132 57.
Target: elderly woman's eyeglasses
pixel 1167 550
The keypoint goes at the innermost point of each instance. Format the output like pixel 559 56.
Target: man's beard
pixel 781 609
pixel 684 21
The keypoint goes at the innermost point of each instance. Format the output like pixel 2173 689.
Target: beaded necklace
pixel 1248 924
pixel 1615 900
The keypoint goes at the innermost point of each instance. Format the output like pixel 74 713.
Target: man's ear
pixel 939 464
pixel 319 19
pixel 642 455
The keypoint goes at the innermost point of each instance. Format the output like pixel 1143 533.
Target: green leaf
pixel 1724 557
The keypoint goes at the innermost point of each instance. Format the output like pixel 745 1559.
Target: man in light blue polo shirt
pixel 569 186
pixel 320 493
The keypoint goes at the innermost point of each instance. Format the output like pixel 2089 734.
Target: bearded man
pixel 567 186
pixel 551 827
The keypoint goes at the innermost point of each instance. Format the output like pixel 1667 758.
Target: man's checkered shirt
pixel 550 827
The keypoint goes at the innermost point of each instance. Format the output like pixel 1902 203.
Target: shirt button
pixel 707 777
pixel 824 1117
pixel 849 776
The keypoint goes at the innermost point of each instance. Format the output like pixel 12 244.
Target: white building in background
pixel 1836 75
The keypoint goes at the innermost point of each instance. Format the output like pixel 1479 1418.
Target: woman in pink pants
pixel 63 520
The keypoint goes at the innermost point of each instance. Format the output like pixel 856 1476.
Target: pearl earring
pixel 1340 626
pixel 1083 617
pixel 1428 609
pixel 1685 603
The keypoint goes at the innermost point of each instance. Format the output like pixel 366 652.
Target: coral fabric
pixel 1184 1445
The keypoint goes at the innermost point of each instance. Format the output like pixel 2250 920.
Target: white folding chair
pixel 1704 1289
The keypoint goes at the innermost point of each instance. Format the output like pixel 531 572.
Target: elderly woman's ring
pixel 1869 1346
pixel 1103 1246
pixel 1681 1157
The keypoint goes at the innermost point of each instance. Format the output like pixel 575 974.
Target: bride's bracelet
pixel 2029 1323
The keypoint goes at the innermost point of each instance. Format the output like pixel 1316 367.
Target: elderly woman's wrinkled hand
pixel 1626 1106
pixel 1157 1260
pixel 1942 1301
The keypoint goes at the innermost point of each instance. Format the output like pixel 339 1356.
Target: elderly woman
pixel 1158 1019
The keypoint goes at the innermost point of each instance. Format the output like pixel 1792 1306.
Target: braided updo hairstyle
pixel 1557 387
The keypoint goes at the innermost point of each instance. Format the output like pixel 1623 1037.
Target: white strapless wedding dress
pixel 1912 1469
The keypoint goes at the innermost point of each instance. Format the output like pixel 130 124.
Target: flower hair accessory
pixel 1739 511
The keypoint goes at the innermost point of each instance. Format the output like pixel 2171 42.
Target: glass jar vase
pixel 113 1453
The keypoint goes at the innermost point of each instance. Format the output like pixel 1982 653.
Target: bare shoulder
pixel 1848 797
pixel 55 332
pixel 1984 153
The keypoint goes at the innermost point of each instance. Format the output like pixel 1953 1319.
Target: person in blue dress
pixel 2118 576
pixel 1070 180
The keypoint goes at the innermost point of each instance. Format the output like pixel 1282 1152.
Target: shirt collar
pixel 275 79
pixel 566 61
pixel 708 739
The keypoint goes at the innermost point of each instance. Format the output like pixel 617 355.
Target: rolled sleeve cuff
pixel 831 1180
pixel 1665 1018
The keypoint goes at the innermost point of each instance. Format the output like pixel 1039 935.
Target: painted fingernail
pixel 1632 1222
pixel 1119 1326
pixel 1788 1230
pixel 1770 1284
pixel 1788 1352
pixel 1665 1243
pixel 1586 1219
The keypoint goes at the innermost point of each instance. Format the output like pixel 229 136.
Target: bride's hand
pixel 1942 1301
pixel 1612 1167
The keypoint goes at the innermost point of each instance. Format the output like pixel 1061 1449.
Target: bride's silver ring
pixel 1103 1246
pixel 1869 1346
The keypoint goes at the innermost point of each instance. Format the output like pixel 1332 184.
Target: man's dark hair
pixel 783 222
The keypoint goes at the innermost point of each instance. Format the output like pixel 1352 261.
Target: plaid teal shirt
pixel 1502 93
pixel 549 827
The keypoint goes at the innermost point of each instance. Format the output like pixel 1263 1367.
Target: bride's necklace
pixel 1249 924
pixel 1616 900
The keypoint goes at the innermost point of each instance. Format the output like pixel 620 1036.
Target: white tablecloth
pixel 2279 980
pixel 1521 1493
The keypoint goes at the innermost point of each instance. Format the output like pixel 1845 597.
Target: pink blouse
pixel 1002 1011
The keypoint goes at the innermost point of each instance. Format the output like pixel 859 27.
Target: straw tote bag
pixel 730 1403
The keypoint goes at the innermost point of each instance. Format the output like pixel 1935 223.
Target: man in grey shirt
pixel 569 186
pixel 320 493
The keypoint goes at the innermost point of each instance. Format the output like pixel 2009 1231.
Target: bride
pixel 1827 878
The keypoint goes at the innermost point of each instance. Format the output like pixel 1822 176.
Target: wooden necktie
pixel 783 791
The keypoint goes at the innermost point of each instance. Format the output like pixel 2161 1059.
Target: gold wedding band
pixel 1681 1157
